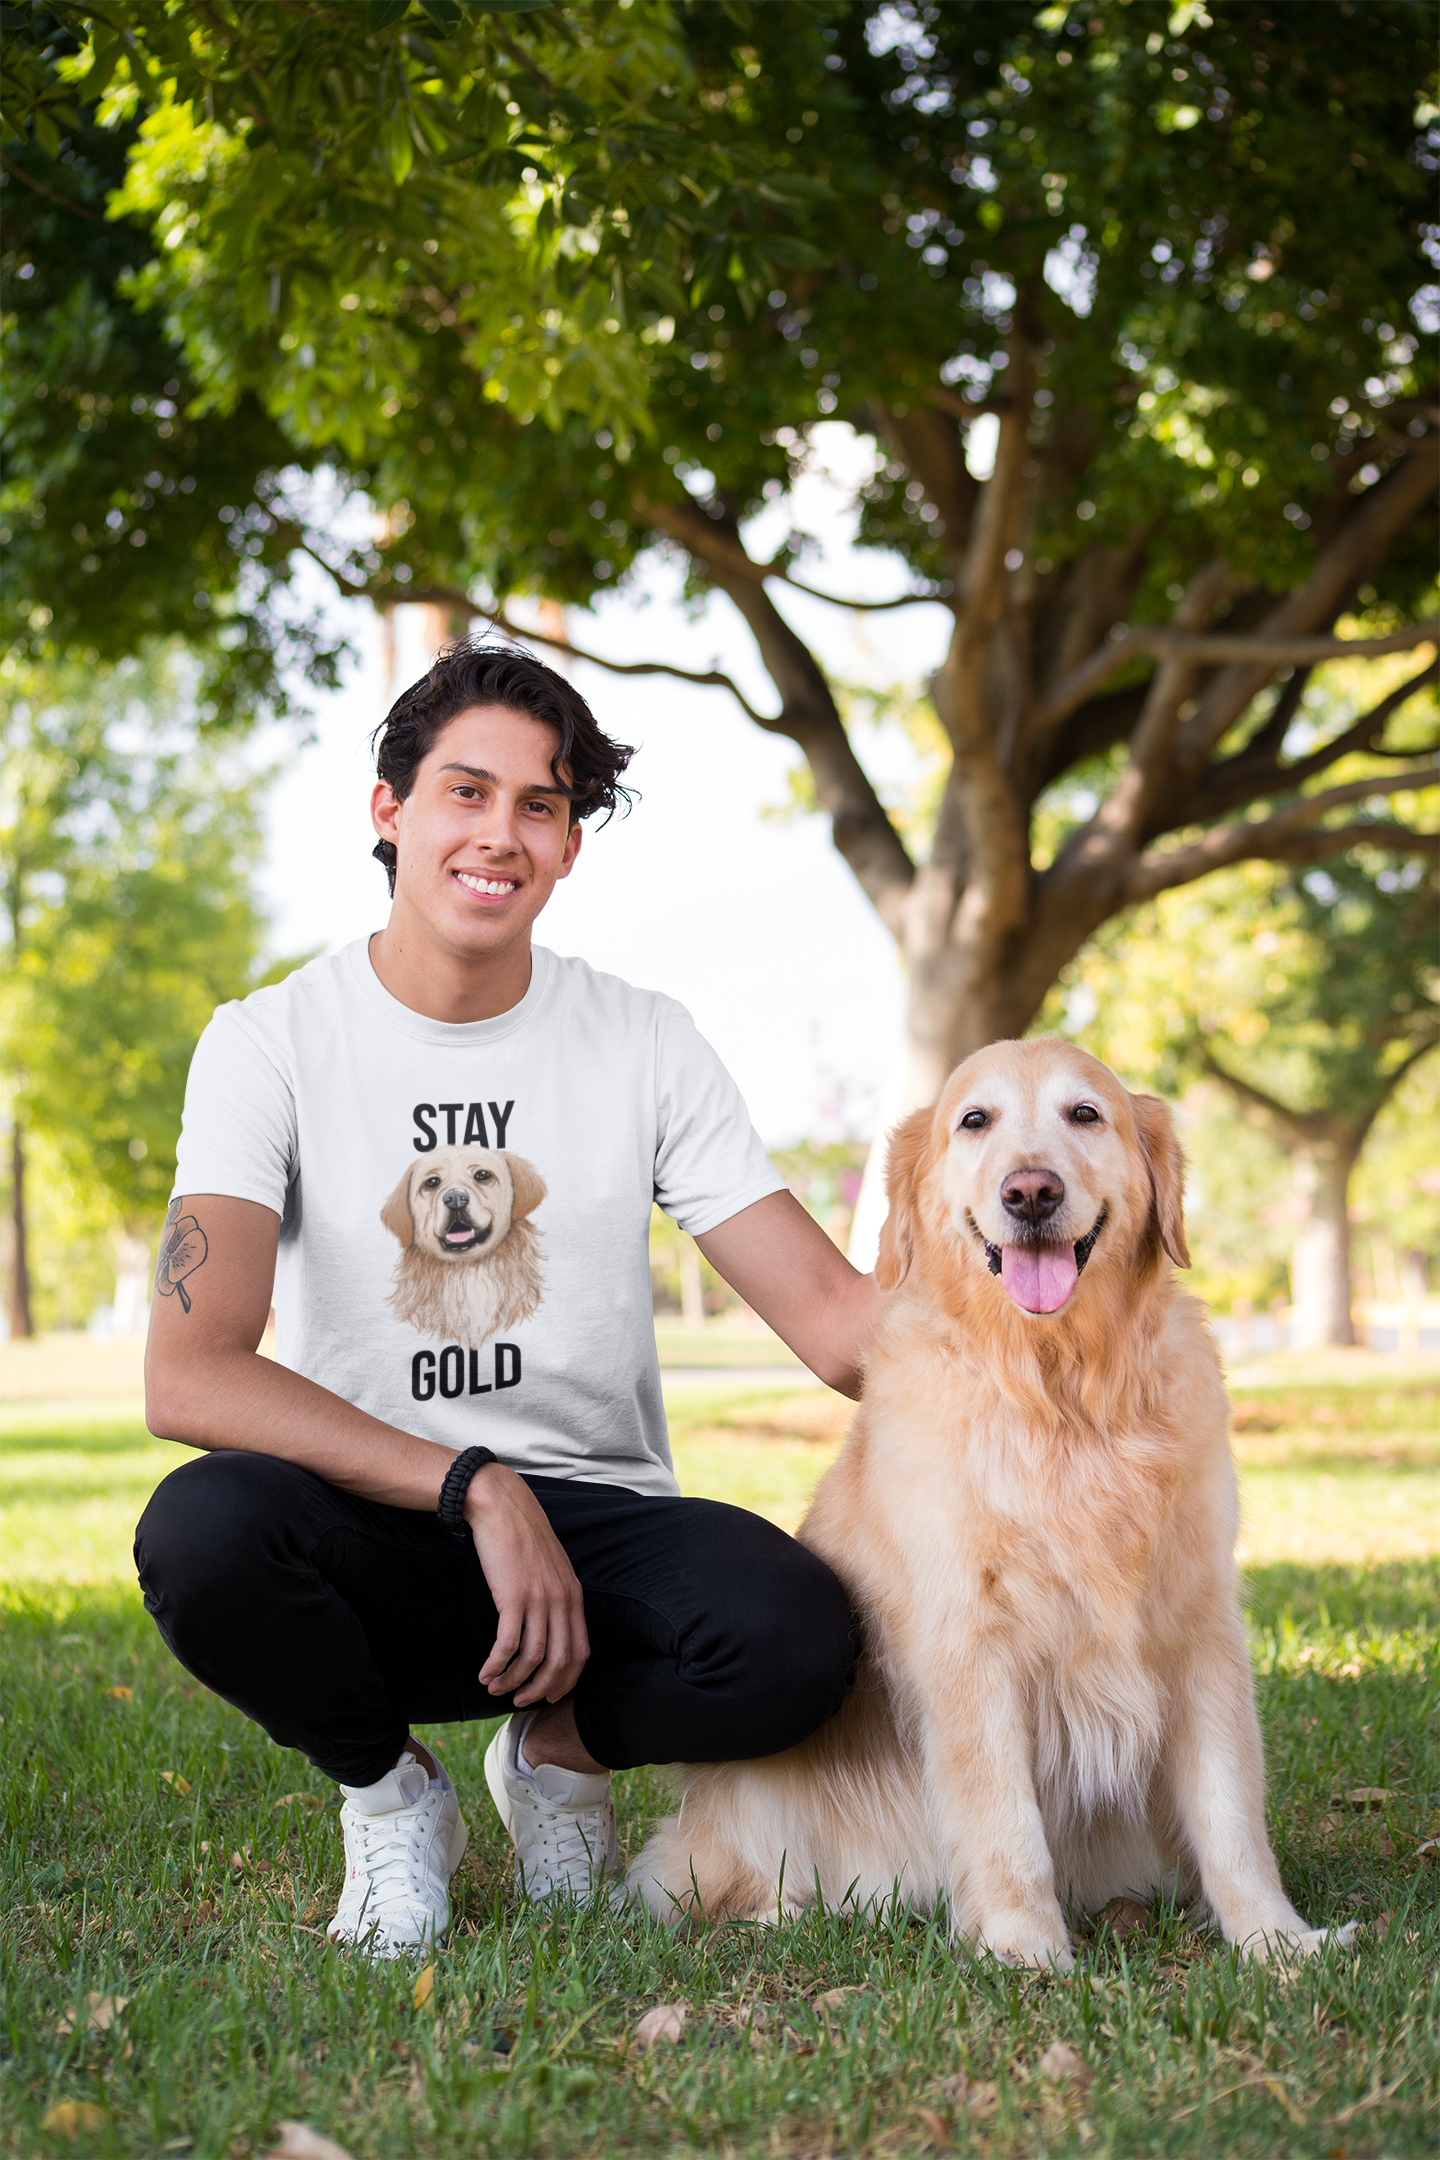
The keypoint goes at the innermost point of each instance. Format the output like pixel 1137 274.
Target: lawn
pixel 168 1873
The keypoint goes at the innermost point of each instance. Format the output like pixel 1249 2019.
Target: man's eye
pixel 974 1121
pixel 1085 1114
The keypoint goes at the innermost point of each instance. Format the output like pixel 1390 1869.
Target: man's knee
pixel 781 1646
pixel 207 1528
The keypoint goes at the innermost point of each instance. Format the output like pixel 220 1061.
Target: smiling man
pixel 450 1493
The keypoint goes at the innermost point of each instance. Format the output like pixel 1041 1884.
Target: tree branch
pixel 860 826
pixel 1304 1126
pixel 17 172
pixel 717 548
pixel 1278 837
pixel 1244 777
pixel 1270 651
pixel 1369 524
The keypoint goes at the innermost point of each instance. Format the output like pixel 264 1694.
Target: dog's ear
pixel 530 1187
pixel 1156 1127
pixel 396 1214
pixel 902 1171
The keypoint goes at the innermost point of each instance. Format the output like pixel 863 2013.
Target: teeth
pixel 485 885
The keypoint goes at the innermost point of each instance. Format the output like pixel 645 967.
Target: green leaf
pixel 447 15
pixel 515 7
pixel 399 145
pixel 384 12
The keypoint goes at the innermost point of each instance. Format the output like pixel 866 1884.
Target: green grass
pixel 206 1908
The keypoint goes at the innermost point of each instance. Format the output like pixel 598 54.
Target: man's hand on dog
pixel 540 1644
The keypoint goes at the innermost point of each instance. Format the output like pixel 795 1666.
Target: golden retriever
pixel 1035 1514
pixel 469 1266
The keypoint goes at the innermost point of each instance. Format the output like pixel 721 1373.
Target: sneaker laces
pixel 390 1846
pixel 572 1838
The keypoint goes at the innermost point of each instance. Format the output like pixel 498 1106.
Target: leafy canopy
pixel 502 268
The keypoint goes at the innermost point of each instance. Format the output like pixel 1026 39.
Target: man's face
pixel 483 834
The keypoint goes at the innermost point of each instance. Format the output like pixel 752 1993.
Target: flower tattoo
pixel 183 1246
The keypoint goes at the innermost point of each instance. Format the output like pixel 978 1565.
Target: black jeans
pixel 337 1623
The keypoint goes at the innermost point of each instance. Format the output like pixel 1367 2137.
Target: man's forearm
pixel 783 1264
pixel 223 1398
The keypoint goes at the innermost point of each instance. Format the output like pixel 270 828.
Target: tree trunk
pixel 21 1325
pixel 132 1279
pixel 1320 1258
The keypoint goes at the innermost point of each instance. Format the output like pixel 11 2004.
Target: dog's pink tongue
pixel 1039 1278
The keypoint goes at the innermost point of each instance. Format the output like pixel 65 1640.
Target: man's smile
pixel 486 888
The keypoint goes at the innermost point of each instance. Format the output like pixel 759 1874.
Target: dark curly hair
pixel 470 673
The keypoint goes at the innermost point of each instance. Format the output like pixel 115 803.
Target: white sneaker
pixel 562 1821
pixel 404 1839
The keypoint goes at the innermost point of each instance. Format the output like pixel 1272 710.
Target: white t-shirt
pixel 464 1241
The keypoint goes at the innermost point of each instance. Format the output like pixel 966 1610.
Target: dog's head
pixel 458 1203
pixel 1034 1165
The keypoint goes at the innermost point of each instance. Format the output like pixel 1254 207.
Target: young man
pixel 450 1494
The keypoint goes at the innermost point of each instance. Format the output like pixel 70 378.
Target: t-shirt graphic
pixel 471 1265
pixel 465 1208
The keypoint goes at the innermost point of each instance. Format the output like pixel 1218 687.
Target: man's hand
pixel 540 1644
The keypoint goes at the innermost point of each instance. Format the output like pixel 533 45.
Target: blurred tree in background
pixel 1308 998
pixel 128 858
pixel 1125 296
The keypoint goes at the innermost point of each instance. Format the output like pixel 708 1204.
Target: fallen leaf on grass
pixel 70 2117
pixel 979 2097
pixel 665 2022
pixel 424 1994
pixel 1430 1850
pixel 102 2011
pixel 1381 1925
pixel 298 1799
pixel 1274 2087
pixel 123 1694
pixel 200 1916
pixel 836 1998
pixel 1125 1916
pixel 1060 2064
pixel 936 2135
pixel 1361 1796
pixel 299 2142
pixel 173 1777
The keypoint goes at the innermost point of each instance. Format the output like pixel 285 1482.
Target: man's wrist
pixel 457 1485
pixel 485 1490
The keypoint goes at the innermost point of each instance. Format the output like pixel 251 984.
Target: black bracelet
pixel 451 1505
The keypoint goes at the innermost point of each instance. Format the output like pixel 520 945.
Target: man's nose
pixel 457 1199
pixel 1032 1196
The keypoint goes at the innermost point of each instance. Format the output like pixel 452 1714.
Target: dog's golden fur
pixel 466 1297
pixel 1035 1514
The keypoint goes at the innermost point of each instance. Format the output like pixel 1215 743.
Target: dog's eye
pixel 974 1121
pixel 1085 1113
pixel 484 1177
pixel 430 1184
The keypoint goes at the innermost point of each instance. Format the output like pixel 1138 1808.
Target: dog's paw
pixel 1277 1944
pixel 1042 1955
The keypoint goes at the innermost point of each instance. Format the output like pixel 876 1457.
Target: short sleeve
pixel 709 1161
pixel 238 1133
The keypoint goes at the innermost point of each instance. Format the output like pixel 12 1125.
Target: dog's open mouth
pixel 1040 1278
pixel 463 1237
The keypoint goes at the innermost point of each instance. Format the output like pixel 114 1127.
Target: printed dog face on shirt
pixel 470 1259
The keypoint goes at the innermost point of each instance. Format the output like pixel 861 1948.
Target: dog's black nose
pixel 457 1199
pixel 1032 1196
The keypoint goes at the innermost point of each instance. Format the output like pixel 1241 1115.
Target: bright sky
pixel 757 926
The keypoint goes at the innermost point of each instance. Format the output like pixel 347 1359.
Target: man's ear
pixel 530 1187
pixel 902 1172
pixel 396 1214
pixel 1156 1127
